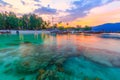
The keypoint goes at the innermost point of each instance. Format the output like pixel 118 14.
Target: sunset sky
pixel 75 12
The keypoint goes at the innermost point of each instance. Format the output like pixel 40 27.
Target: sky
pixel 74 12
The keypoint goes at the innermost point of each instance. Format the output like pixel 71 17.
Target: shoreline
pixel 26 31
pixel 47 32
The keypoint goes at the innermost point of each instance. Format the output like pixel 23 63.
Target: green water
pixel 59 57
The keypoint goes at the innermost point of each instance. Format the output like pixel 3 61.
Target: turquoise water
pixel 59 57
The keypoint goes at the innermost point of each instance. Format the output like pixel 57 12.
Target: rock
pixel 60 69
pixel 9 70
pixel 116 62
pixel 27 65
pixel 48 75
pixel 97 78
pixel 86 78
pixel 60 60
pixel 41 71
pixel 7 65
pixel 22 78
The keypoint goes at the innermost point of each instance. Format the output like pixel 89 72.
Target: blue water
pixel 59 57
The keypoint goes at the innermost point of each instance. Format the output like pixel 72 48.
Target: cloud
pixel 82 7
pixel 102 14
pixel 37 0
pixel 22 2
pixel 2 3
pixel 63 10
pixel 20 6
pixel 45 10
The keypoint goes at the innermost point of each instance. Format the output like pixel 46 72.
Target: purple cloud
pixel 82 7
pixel 46 10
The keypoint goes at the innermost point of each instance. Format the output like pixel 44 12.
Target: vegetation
pixel 61 28
pixel 25 22
pixel 31 22
pixel 78 28
pixel 87 28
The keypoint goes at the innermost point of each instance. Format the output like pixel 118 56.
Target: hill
pixel 109 27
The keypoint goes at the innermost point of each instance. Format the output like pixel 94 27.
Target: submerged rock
pixel 27 65
pixel 60 69
pixel 41 71
pixel 97 78
pixel 7 65
pixel 48 75
pixel 22 78
pixel 31 59
pixel 103 57
pixel 116 62
pixel 9 70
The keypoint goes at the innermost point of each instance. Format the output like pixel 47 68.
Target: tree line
pixel 25 22
pixel 10 21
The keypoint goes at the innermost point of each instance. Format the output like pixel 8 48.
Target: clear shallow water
pixel 59 57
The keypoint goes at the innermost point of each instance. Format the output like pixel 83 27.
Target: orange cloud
pixel 105 14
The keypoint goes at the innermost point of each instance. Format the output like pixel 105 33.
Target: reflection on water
pixel 59 57
pixel 21 37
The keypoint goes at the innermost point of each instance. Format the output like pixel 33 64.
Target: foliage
pixel 87 28
pixel 61 28
pixel 30 22
pixel 27 21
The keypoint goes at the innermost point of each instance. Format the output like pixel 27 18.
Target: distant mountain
pixel 109 27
